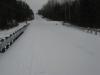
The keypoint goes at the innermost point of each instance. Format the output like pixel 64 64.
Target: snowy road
pixel 49 49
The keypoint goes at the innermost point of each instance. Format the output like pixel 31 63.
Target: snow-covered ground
pixel 5 33
pixel 48 48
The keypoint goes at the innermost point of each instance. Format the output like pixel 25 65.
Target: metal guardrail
pixel 6 42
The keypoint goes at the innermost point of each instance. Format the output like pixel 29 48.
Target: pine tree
pixel 7 12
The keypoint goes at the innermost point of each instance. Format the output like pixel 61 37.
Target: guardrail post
pixel 8 41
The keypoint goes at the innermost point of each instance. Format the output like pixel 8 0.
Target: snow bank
pixel 6 33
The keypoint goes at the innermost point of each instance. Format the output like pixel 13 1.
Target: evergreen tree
pixel 24 12
pixel 84 13
pixel 11 11
pixel 6 14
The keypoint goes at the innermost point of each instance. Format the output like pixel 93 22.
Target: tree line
pixel 84 13
pixel 13 12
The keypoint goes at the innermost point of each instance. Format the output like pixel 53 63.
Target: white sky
pixel 36 4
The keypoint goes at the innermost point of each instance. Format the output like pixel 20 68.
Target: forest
pixel 83 13
pixel 13 12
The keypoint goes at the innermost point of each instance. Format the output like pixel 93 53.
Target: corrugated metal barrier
pixel 6 42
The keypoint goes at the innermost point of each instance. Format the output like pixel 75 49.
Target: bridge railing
pixel 6 42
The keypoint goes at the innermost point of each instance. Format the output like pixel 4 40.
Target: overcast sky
pixel 36 4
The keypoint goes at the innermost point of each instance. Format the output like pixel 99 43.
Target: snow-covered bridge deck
pixel 49 49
